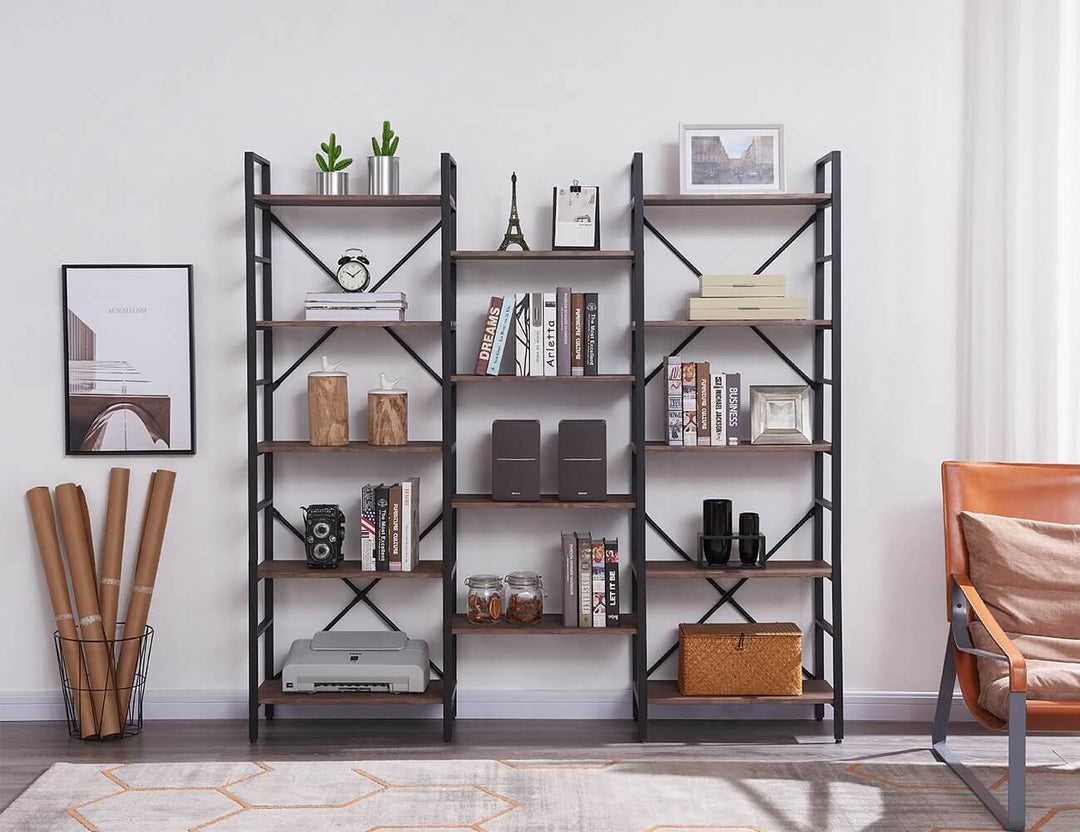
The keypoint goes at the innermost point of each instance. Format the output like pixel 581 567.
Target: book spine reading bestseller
pixel 718 391
pixel 522 307
pixel 584 567
pixel 673 373
pixel 689 406
pixel 562 324
pixel 570 580
pixel 577 334
pixel 611 572
pixel 592 334
pixel 599 584
pixel 382 525
pixel 395 527
pixel 551 335
pixel 704 425
pixel 487 336
pixel 367 528
pixel 734 393
pixel 536 334
pixel 498 348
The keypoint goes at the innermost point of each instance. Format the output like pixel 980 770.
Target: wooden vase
pixel 388 418
pixel 328 409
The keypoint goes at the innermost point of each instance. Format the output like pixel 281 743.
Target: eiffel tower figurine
pixel 514 233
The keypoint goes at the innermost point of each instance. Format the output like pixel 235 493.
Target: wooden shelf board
pixel 328 324
pixel 284 570
pixel 550 624
pixel 818 323
pixel 684 569
pixel 542 255
pixel 744 447
pixel 484 501
pixel 350 200
pixel 270 693
pixel 299 446
pixel 736 199
pixel 666 692
pixel 612 377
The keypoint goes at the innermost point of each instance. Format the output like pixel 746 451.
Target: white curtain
pixel 1020 242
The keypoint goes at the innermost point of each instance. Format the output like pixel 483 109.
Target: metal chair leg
pixel 1010 817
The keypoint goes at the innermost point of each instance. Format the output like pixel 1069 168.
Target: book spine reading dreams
pixel 734 392
pixel 382 524
pixel 562 325
pixel 584 566
pixel 673 374
pixel 599 584
pixel 487 336
pixel 570 580
pixel 611 574
pixel 551 335
pixel 536 334
pixel 704 423
pixel 689 406
pixel 395 527
pixel 522 307
pixel 592 334
pixel 367 528
pixel 577 334
pixel 718 391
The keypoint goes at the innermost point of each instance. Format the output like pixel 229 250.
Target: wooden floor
pixel 28 748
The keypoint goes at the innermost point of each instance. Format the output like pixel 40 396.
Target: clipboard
pixel 572 233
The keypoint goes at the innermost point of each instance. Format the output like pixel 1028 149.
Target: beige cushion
pixel 1028 573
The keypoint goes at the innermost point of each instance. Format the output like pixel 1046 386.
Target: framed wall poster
pixel 731 158
pixel 129 359
pixel 575 217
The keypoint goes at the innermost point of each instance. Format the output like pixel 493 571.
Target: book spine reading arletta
pixel 673 394
pixel 704 433
pixel 536 334
pixel 551 335
pixel 522 307
pixel 406 525
pixel 395 527
pixel 487 335
pixel 584 567
pixel 367 528
pixel 577 334
pixel 611 574
pixel 689 393
pixel 599 584
pixel 592 334
pixel 734 394
pixel 562 325
pixel 570 580
pixel 382 528
pixel 502 330
pixel 718 392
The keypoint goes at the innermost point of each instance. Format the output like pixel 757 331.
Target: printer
pixel 350 662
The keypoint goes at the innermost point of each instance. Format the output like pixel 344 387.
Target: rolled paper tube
pixel 44 520
pixel 89 533
pixel 153 534
pixel 112 550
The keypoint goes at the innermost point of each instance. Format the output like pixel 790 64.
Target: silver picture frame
pixel 780 415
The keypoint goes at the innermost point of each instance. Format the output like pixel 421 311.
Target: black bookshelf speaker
pixel 515 460
pixel 583 459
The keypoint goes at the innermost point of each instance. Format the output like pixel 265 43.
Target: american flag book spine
pixel 689 405
pixel 367 528
pixel 502 330
pixel 718 391
pixel 522 308
pixel 570 580
pixel 704 423
pixel 562 324
pixel 395 527
pixel 577 334
pixel 673 394
pixel 551 335
pixel 487 335
pixel 536 334
pixel 734 394
pixel 406 525
pixel 584 571
pixel 611 575
pixel 592 334
pixel 599 585
pixel 382 525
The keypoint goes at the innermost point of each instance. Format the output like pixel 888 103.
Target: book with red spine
pixel 487 335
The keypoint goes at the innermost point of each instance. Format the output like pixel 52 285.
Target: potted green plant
pixel 383 166
pixel 332 178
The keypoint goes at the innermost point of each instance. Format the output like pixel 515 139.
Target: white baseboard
pixel 887 706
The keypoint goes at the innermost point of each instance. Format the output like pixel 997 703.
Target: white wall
pixel 125 125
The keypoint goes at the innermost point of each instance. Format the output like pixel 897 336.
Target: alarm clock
pixel 352 272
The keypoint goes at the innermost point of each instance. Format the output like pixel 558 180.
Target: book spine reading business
pixel 382 526
pixel 734 394
pixel 406 525
pixel 395 527
pixel 502 330
pixel 718 391
pixel 570 580
pixel 487 335
pixel 551 335
pixel 599 584
pixel 584 567
pixel 611 574
pixel 522 308
pixel 689 394
pixel 592 334
pixel 562 325
pixel 577 334
pixel 704 424
pixel 673 411
pixel 536 334
pixel 367 528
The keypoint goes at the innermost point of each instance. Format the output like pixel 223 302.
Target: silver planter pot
pixel 332 184
pixel 383 175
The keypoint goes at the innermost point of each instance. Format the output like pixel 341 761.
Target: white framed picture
pixel 731 158
pixel 575 217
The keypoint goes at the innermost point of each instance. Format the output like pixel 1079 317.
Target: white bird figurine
pixel 327 367
pixel 388 385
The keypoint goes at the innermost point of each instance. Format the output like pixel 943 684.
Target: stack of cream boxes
pixel 746 297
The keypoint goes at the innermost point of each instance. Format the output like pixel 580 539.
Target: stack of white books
pixel 355 306
pixel 746 297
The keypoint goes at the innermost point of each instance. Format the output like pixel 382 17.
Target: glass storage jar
pixel 485 598
pixel 524 597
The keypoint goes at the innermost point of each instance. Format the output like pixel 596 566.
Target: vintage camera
pixel 324 532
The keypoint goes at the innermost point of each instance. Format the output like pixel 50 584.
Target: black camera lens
pixel 321 529
pixel 320 551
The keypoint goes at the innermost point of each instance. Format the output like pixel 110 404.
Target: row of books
pixel 540 334
pixel 746 297
pixel 590 580
pixel 390 526
pixel 701 407
pixel 355 306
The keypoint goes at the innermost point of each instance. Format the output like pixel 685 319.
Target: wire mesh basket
pixel 103 681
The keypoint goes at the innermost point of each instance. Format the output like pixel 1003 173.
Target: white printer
pixel 348 662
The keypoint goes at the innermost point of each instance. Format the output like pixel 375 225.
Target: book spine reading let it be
pixel 502 330
pixel 592 334
pixel 577 334
pixel 611 573
pixel 382 525
pixel 570 580
pixel 689 406
pixel 487 335
pixel 562 325
pixel 704 424
pixel 674 417
pixel 584 571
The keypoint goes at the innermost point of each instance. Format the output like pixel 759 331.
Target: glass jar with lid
pixel 524 597
pixel 485 598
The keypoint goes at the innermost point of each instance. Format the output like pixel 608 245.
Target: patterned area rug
pixel 905 792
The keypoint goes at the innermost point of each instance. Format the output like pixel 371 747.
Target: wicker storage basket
pixel 740 659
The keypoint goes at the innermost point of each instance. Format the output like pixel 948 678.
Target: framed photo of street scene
pixel 731 158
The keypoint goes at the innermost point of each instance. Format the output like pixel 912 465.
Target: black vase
pixel 716 520
pixel 749 548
